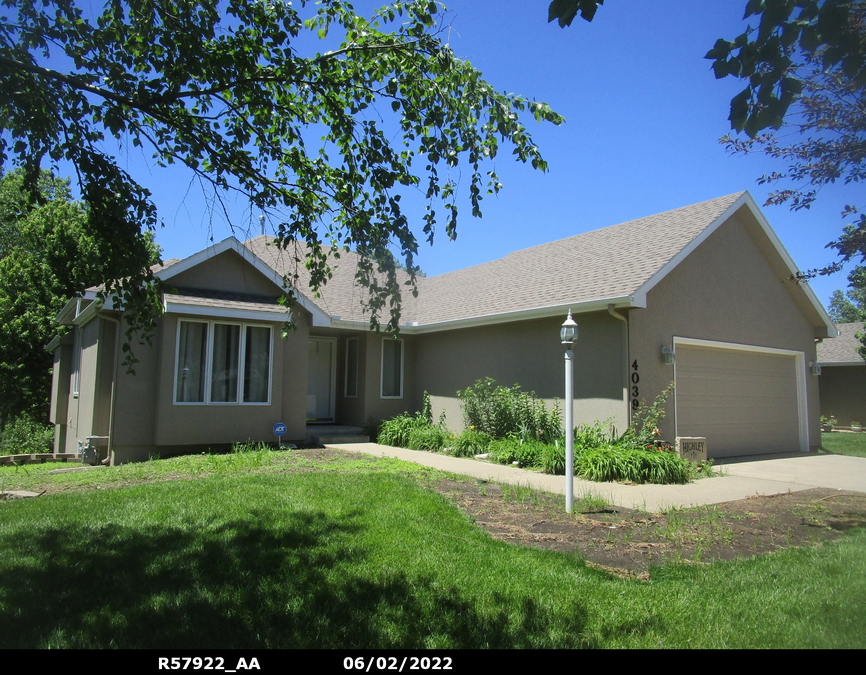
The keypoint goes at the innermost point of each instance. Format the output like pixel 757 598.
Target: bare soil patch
pixel 627 542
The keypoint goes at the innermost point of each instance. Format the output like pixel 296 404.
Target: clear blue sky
pixel 644 115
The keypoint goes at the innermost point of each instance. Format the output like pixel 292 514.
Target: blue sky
pixel 643 112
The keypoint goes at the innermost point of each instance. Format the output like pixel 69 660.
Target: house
pixel 843 376
pixel 697 294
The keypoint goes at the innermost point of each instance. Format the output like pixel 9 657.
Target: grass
pixel 844 443
pixel 233 551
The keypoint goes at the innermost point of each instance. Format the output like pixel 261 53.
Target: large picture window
pixel 392 368
pixel 222 363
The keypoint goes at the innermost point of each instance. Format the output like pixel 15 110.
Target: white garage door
pixel 744 402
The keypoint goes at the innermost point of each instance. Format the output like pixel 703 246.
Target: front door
pixel 321 379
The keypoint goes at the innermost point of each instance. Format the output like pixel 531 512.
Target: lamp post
pixel 568 334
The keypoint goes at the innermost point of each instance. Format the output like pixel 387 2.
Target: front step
pixel 333 434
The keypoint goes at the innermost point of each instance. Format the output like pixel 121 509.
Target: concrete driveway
pixel 830 471
pixel 743 477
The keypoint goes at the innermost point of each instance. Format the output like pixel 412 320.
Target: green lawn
pixel 844 443
pixel 360 554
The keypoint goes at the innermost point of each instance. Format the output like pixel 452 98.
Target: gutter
pixel 414 327
pixel 625 330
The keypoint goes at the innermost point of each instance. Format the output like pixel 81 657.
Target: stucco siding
pixel 226 272
pixel 728 291
pixel 214 423
pixel 528 353
pixel 843 393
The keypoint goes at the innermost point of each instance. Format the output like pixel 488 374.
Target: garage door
pixel 744 402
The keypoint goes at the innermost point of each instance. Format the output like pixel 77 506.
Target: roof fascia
pixel 67 314
pixel 830 364
pixel 414 328
pixel 748 201
pixel 226 312
pixel 320 318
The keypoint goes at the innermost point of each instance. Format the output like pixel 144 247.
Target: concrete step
pixel 332 440
pixel 335 433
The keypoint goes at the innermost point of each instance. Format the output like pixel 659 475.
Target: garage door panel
pixel 743 402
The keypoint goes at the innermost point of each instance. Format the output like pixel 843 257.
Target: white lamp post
pixel 568 334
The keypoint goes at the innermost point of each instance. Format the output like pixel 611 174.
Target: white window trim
pixel 382 370
pixel 209 363
pixel 346 374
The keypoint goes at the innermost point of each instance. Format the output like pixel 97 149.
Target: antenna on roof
pixel 262 222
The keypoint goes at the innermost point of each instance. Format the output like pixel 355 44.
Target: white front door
pixel 321 379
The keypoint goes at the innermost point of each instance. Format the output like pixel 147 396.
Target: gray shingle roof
pixel 609 263
pixel 342 295
pixel 842 349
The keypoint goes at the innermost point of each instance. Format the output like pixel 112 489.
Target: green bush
pixel 396 431
pixel 469 443
pixel 643 432
pixel 615 463
pixel 528 454
pixel 501 412
pixel 427 437
pixel 25 436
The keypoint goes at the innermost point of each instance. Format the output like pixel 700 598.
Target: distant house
pixel 703 282
pixel 843 376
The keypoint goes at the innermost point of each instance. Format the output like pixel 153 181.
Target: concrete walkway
pixel 743 478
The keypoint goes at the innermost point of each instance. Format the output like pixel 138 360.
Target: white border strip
pixel 799 373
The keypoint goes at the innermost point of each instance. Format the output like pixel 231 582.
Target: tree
pixel 46 257
pixel 851 306
pixel 324 142
pixel 804 67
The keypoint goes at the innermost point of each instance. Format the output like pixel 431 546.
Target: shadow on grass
pixel 239 585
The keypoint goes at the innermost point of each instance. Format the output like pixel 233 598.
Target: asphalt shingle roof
pixel 608 263
pixel 842 349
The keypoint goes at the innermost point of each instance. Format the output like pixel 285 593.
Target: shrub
pixel 426 437
pixel 469 443
pixel 26 436
pixel 396 431
pixel 616 463
pixel 644 428
pixel 502 411
pixel 527 454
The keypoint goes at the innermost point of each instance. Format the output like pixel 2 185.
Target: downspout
pixel 110 458
pixel 617 315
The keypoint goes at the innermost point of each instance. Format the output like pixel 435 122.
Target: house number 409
pixel 635 378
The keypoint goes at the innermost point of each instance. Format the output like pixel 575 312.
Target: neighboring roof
pixel 842 351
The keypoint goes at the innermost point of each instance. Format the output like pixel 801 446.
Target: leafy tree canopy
pixel 325 142
pixel 851 306
pixel 47 255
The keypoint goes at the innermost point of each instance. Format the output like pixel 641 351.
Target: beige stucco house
pixel 704 283
pixel 843 376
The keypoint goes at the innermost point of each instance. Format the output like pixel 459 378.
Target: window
pixel 222 363
pixel 351 388
pixel 392 369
